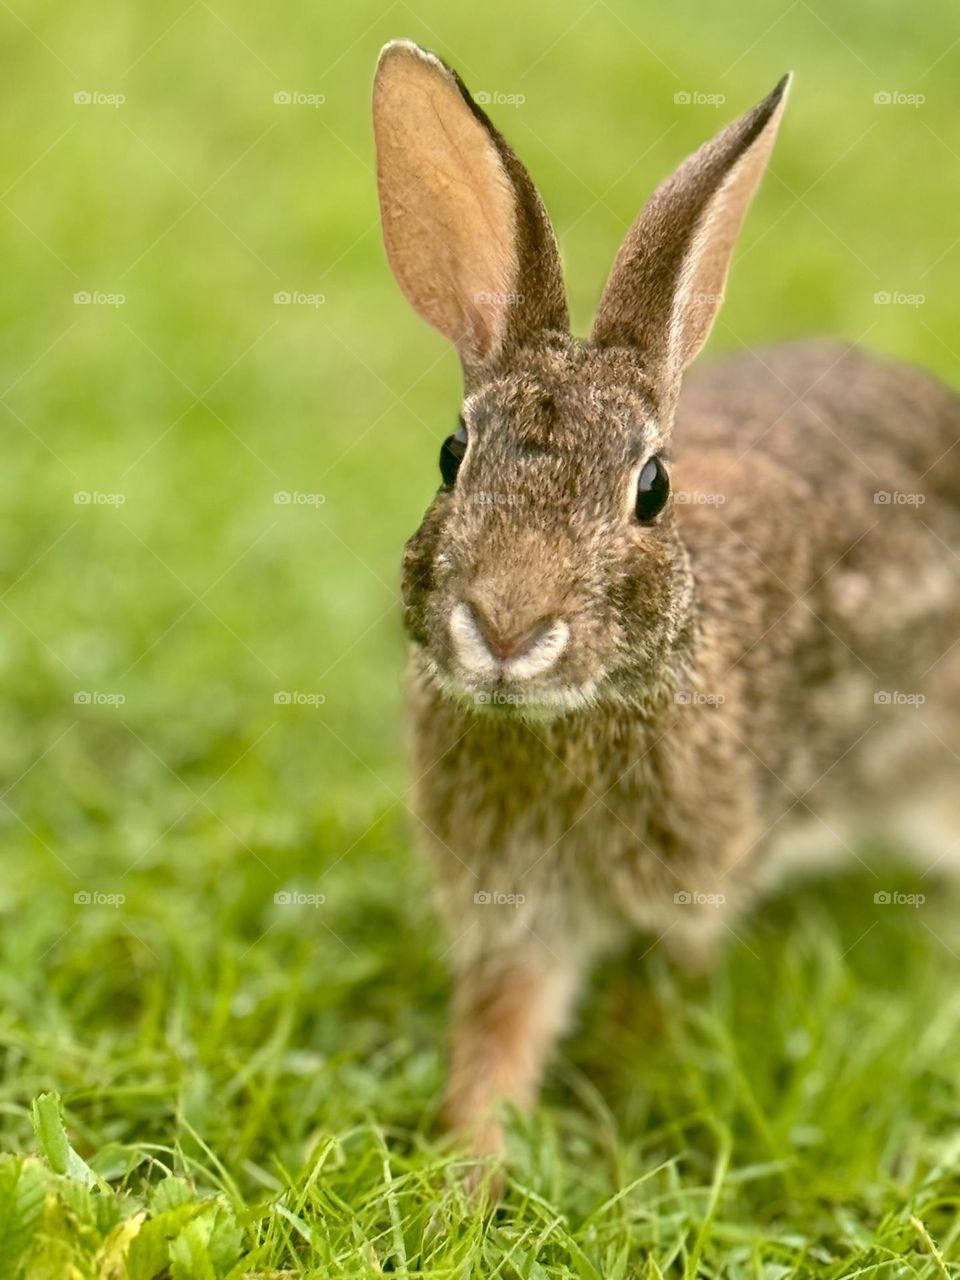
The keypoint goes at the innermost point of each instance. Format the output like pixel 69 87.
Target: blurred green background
pixel 183 587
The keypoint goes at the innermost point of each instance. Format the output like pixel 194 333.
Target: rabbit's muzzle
pixel 487 648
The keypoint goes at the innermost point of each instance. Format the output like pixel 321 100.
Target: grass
pixel 249 1086
pixel 796 1118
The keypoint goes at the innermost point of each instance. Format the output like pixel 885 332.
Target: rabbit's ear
pixel 667 281
pixel 466 233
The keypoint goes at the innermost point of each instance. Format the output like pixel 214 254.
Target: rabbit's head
pixel 548 573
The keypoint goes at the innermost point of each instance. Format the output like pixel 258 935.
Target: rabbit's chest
pixel 516 812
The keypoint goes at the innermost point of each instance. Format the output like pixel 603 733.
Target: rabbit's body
pixel 657 642
pixel 616 817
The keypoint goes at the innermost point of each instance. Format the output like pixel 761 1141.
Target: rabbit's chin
pixel 538 702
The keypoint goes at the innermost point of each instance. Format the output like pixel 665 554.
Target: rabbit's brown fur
pixel 702 686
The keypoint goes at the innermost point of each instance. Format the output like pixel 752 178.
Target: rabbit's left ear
pixel 667 281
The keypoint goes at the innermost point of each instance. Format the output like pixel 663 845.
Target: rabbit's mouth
pixel 522 699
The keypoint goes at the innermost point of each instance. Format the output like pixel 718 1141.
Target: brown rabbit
pixel 655 647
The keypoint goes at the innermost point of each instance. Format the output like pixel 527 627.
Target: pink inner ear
pixel 448 207
pixel 667 281
pixel 702 283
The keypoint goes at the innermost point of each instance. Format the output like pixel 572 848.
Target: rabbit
pixel 663 646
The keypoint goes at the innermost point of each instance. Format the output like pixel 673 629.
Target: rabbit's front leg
pixel 509 1010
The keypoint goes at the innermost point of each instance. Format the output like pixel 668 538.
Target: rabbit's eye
pixel 451 455
pixel 653 489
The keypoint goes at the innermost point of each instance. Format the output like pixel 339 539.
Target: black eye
pixel 653 489
pixel 451 455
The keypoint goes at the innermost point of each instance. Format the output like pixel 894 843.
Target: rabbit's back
pixel 818 493
pixel 817 470
pixel 810 404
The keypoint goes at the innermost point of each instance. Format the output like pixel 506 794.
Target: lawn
pixel 222 990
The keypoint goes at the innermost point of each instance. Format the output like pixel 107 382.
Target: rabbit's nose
pixel 487 648
pixel 506 642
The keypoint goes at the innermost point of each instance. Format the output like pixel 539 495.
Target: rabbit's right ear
pixel 465 231
pixel 667 282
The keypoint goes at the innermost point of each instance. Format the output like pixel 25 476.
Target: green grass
pixel 254 1085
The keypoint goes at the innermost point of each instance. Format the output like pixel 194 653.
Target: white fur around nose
pixel 542 656
pixel 469 644
pixel 475 657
